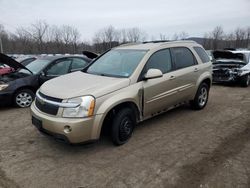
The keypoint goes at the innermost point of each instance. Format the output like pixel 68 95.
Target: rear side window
pixel 160 60
pixel 202 54
pixel 59 68
pixel 78 64
pixel 183 57
pixel 27 61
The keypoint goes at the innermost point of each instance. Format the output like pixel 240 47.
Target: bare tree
pixel 175 36
pixel 66 34
pixel 135 35
pixel 1 35
pixel 38 31
pixel 239 37
pixel 75 39
pixel 123 36
pixel 163 37
pixel 217 35
pixel 110 35
pixel 183 35
pixel 24 40
pixel 248 37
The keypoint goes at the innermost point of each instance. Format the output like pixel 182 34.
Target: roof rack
pixel 129 44
pixel 162 41
pixel 155 41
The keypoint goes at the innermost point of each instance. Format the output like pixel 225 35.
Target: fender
pixel 133 96
pixel 204 76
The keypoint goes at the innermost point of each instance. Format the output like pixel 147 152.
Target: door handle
pixel 196 70
pixel 172 77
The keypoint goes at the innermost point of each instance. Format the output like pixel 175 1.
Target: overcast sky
pixel 153 16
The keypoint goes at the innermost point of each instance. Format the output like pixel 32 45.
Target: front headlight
pixel 3 86
pixel 85 107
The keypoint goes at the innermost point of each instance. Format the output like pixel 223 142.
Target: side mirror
pixel 42 73
pixel 153 73
pixel 211 58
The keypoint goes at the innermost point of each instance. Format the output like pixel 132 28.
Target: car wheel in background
pixel 123 125
pixel 245 80
pixel 201 97
pixel 24 98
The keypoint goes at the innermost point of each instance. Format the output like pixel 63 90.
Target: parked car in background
pixel 125 85
pixel 26 60
pixel 211 56
pixel 19 87
pixel 231 66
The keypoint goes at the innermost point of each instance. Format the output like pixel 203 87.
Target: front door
pixel 160 93
pixel 57 68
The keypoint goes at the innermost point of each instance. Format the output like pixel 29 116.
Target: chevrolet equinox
pixel 124 86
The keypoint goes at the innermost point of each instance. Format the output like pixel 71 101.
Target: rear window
pixel 202 54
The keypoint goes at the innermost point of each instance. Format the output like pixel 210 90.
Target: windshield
pixel 35 66
pixel 117 63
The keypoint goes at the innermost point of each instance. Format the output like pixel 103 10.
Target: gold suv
pixel 122 87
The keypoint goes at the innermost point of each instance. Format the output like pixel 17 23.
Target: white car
pixel 232 66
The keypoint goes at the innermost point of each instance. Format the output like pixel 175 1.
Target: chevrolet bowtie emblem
pixel 42 101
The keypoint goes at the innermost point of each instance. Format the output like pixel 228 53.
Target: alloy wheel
pixel 203 96
pixel 24 99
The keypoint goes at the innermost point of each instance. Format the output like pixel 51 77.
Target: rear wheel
pixel 245 80
pixel 123 125
pixel 201 97
pixel 23 98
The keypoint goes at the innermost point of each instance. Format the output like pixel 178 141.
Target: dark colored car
pixel 19 87
pixel 26 60
pixel 231 66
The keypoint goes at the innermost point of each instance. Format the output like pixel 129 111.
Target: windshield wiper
pixel 108 75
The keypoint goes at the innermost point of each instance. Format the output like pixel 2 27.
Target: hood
pixel 80 84
pixel 11 62
pixel 12 76
pixel 227 55
pixel 90 55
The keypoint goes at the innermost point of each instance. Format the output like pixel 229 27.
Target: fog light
pixel 67 129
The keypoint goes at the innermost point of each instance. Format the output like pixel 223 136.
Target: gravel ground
pixel 181 148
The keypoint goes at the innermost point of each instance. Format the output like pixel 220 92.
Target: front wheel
pixel 245 80
pixel 123 126
pixel 201 97
pixel 23 98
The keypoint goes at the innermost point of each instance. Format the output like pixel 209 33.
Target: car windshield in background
pixel 117 63
pixel 35 66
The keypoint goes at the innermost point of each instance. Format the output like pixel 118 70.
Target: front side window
pixel 60 67
pixel 183 57
pixel 117 63
pixel 202 54
pixel 160 60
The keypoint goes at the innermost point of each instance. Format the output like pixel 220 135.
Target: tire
pixel 245 80
pixel 123 126
pixel 23 98
pixel 201 97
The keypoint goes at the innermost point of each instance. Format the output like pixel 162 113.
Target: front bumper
pixel 224 76
pixel 82 129
pixel 5 98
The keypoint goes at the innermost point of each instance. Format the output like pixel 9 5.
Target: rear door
pixel 186 72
